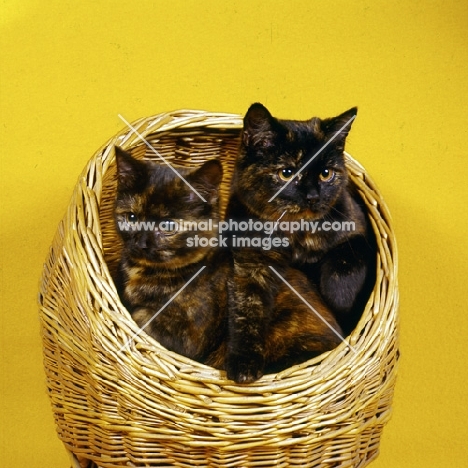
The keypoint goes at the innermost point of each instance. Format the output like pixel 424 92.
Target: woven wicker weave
pixel 142 406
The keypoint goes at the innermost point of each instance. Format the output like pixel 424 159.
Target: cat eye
pixel 327 175
pixel 286 174
pixel 168 227
pixel 131 217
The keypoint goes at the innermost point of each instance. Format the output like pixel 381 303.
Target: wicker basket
pixel 143 406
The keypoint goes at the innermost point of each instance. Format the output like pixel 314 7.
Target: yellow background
pixel 68 69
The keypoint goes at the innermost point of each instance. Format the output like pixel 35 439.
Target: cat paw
pixel 244 369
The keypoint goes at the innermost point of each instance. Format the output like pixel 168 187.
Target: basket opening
pixel 188 148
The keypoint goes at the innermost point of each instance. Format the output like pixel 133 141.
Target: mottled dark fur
pixel 270 327
pixel 155 265
pixel 341 263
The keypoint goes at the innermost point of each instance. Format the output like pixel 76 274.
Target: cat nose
pixel 312 197
pixel 143 242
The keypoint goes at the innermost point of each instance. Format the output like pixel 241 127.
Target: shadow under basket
pixel 122 400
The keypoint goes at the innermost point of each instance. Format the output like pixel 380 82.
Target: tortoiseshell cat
pixel 290 171
pixel 156 265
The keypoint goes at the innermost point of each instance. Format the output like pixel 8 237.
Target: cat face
pixel 154 207
pixel 291 167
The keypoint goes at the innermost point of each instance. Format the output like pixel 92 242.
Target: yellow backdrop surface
pixel 69 68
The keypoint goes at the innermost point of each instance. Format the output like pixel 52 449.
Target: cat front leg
pixel 250 308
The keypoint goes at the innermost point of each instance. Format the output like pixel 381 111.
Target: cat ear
pixel 342 123
pixel 206 180
pixel 209 174
pixel 258 127
pixel 130 171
